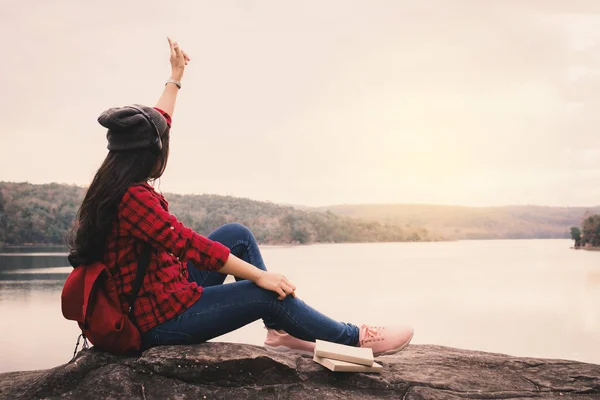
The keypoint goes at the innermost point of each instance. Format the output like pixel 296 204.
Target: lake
pixel 534 298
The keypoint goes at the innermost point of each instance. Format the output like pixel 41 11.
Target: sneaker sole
pixel 284 349
pixel 397 350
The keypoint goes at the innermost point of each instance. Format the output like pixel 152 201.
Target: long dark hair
pixel 120 169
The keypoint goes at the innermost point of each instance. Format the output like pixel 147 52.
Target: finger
pixel 177 50
pixel 286 289
pixel 281 294
pixel 171 47
pixel 185 55
pixel 293 294
pixel 290 284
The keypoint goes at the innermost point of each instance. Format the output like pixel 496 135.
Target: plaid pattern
pixel 143 216
pixel 166 292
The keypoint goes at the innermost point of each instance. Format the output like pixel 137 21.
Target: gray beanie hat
pixel 129 127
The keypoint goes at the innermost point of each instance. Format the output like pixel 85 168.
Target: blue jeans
pixel 224 308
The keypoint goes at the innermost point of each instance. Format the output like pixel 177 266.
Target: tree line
pixel 43 214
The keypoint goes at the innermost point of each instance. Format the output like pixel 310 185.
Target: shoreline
pixel 29 245
pixel 587 248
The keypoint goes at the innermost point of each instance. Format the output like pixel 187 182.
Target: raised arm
pixel 145 218
pixel 179 60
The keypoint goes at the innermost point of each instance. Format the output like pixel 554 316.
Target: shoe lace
pixel 372 332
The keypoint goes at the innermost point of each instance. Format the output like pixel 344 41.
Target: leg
pixel 242 244
pixel 204 277
pixel 224 308
pixel 240 240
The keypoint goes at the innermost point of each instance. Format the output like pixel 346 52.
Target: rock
pixel 236 371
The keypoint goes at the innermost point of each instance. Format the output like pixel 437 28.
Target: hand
pixel 179 59
pixel 276 283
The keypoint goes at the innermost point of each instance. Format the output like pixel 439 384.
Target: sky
pixel 318 102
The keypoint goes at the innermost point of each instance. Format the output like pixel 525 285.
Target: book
pixel 351 354
pixel 344 366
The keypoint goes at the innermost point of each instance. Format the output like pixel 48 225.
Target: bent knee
pixel 236 230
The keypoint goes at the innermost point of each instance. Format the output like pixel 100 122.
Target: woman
pixel 183 299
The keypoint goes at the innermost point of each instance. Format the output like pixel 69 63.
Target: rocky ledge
pixel 234 371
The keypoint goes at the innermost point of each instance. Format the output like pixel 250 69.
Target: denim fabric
pixel 224 308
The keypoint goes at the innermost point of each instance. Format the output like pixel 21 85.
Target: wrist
pixel 174 82
pixel 177 74
pixel 258 274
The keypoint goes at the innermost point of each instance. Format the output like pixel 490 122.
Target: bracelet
pixel 176 83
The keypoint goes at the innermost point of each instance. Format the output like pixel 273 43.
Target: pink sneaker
pixel 385 340
pixel 282 342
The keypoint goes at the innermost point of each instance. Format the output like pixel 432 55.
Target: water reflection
pixel 24 273
pixel 30 289
pixel 18 261
pixel 23 276
pixel 12 290
pixel 33 249
pixel 590 316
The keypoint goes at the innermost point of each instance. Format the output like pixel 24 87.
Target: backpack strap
pixel 143 262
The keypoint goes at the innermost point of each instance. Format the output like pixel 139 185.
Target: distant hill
pixel 43 214
pixel 456 222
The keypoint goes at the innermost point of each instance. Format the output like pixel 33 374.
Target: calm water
pixel 524 297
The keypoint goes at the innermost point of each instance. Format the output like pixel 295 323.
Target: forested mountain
pixel 456 222
pixel 37 213
pixel 44 214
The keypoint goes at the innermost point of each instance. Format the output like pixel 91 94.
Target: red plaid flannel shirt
pixel 143 216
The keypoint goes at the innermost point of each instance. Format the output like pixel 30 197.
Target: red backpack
pixel 90 297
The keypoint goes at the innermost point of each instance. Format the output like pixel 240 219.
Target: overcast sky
pixel 477 102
